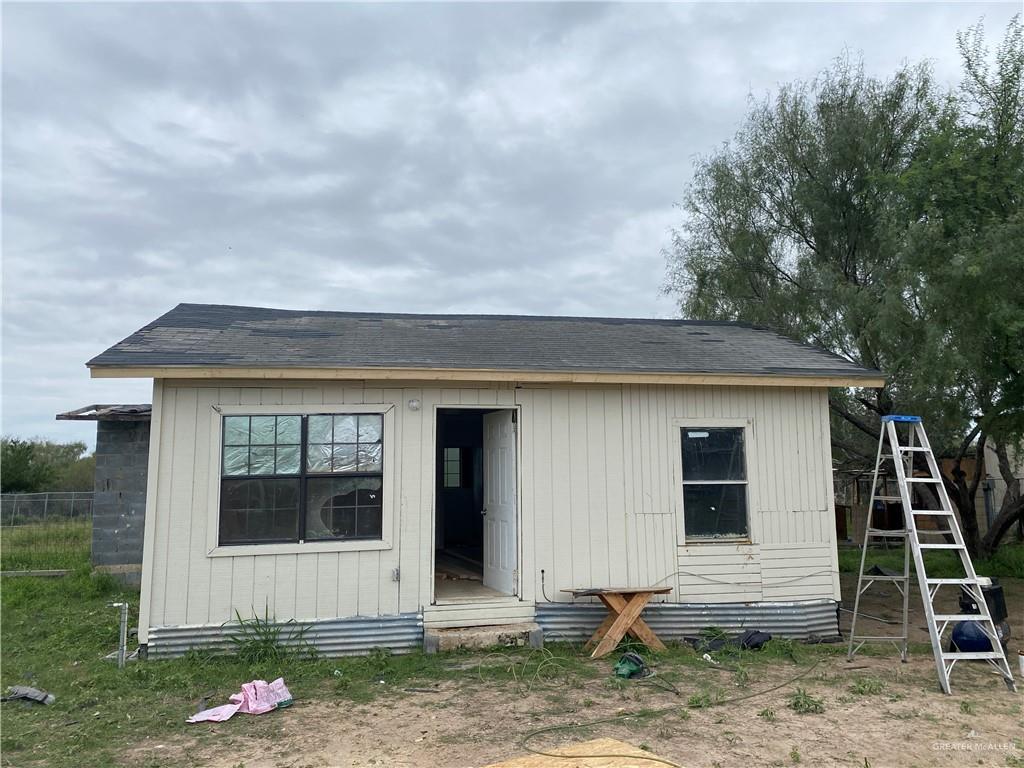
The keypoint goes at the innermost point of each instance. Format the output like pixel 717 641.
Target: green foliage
pixel 700 700
pixel 882 219
pixel 34 466
pixel 62 544
pixel 1007 561
pixel 768 715
pixel 801 702
pixel 263 641
pixel 866 686
pixel 966 708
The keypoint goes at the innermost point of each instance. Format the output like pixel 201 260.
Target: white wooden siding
pixel 598 501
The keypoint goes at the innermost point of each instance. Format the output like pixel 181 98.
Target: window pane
pixel 262 430
pixel 336 505
pixel 371 427
pixel 368 523
pixel 715 510
pixel 345 429
pixel 288 430
pixel 261 460
pixel 369 457
pixel 236 430
pixel 287 460
pixel 344 458
pixel 713 454
pixel 259 510
pixel 451 454
pixel 236 460
pixel 320 428
pixel 318 458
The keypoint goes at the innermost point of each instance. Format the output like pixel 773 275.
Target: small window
pixel 452 467
pixel 301 478
pixel 714 483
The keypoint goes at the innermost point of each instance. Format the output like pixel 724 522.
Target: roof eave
pixel 867 379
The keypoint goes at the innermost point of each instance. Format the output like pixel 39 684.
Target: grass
pixel 56 632
pixel 1008 561
pixel 45 546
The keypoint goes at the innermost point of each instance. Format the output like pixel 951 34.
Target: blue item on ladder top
pixel 895 417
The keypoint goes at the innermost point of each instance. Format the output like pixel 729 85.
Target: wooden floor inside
pixel 460 578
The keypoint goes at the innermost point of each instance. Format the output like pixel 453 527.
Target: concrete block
pixel 504 635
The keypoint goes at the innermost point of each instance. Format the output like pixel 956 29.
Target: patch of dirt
pixel 469 722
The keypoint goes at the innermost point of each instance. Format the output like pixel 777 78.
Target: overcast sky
pixel 427 158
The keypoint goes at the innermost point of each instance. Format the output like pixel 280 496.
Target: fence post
pixel 46 504
pixel 14 512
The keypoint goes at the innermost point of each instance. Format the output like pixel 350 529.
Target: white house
pixel 369 475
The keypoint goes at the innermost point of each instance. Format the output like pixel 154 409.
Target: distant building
pixel 119 500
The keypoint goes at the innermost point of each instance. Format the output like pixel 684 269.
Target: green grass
pixel 46 546
pixel 1008 561
pixel 56 632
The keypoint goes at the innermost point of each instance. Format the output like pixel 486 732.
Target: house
pixel 372 475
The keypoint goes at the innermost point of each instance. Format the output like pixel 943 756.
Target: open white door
pixel 499 510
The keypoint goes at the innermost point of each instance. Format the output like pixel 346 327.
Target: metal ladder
pixel 902 458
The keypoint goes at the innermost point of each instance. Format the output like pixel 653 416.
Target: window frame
pixel 217 413
pixel 747 425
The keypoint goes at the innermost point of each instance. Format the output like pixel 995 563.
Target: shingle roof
pixel 211 335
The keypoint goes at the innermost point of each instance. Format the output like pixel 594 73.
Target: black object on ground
pixel 26 693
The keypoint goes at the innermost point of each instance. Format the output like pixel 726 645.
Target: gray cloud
pixel 476 158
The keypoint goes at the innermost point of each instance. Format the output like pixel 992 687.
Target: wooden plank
pixel 478 375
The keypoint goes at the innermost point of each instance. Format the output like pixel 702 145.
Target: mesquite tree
pixel 882 219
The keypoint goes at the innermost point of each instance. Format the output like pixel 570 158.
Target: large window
pixel 714 483
pixel 301 478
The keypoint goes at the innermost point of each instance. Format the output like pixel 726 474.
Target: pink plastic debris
pixel 256 697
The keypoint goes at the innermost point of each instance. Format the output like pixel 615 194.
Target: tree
pixel 836 216
pixel 34 466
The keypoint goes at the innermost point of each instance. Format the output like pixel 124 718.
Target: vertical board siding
pixel 599 501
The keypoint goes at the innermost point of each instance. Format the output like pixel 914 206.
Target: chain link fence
pixel 45 531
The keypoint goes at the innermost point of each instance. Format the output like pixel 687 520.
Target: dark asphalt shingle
pixel 218 335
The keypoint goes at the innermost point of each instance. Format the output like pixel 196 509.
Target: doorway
pixel 476 512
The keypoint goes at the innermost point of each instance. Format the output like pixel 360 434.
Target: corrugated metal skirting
pixel 330 637
pixel 800 620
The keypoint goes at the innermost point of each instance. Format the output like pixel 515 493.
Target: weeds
pixel 866 686
pixel 767 714
pixel 966 708
pixel 794 755
pixel 803 703
pixel 262 641
pixel 701 700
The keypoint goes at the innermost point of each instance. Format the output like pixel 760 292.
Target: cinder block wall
pixel 119 503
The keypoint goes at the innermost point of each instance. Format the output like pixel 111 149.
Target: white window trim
pixel 217 412
pixel 716 422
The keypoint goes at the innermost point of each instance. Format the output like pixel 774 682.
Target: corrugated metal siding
pixel 332 637
pixel 800 620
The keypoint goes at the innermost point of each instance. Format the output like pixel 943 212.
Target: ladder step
pixel 924 480
pixel 959 617
pixel 974 655
pixel 872 577
pixel 887 533
pixel 968 582
pixel 925 532
pixel 931 512
pixel 888 498
pixel 912 448
pixel 940 546
pixel 868 638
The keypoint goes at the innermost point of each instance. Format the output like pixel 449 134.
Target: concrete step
pixel 527 633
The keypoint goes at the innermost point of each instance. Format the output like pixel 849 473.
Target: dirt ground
pixel 899 720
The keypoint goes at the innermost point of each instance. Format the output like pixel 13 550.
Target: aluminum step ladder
pixel 916 541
